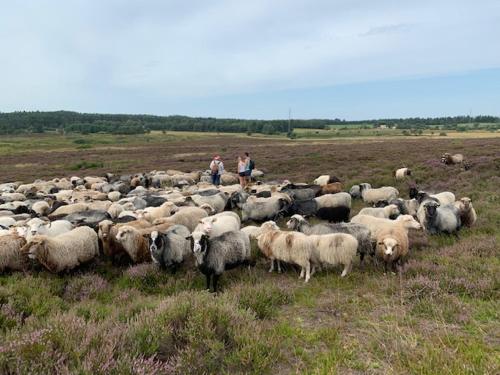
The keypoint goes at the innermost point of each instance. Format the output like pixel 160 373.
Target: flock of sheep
pixel 170 217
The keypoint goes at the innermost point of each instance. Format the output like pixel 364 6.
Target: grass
pixel 441 316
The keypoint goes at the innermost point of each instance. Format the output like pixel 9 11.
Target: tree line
pixel 66 121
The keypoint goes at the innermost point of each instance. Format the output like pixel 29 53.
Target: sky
pixel 351 59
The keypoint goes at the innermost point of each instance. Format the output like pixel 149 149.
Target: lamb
pixel 37 226
pixel 372 196
pixel 376 225
pixel 358 231
pixel 325 179
pixel 171 248
pixel 11 257
pixel 401 173
pixel 333 249
pixel 214 255
pixel 392 247
pixel 466 211
pixel 441 219
pixel 218 224
pixel 390 211
pixel 331 188
pixel 260 209
pixel 290 247
pixel 153 213
pixel 334 207
pixel 65 251
pixel 187 216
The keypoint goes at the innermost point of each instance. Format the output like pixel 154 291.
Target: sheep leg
pixel 361 258
pixel 272 265
pixel 279 266
pixel 302 270
pixel 208 281
pixel 385 267
pixel 216 280
pixel 308 272
pixel 347 269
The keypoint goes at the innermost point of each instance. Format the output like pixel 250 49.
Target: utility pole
pixel 289 120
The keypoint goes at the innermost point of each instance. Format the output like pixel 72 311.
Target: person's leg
pixel 214 179
pixel 217 181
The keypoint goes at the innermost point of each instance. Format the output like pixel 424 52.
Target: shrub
pixel 443 134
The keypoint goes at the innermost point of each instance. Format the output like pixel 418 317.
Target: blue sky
pixel 352 59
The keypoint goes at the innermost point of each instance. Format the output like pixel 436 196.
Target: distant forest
pixel 65 121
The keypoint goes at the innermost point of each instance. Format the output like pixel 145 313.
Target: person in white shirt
pixel 216 169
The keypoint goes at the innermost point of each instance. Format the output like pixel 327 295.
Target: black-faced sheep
pixel 466 211
pixel 64 252
pixel 290 247
pixel 448 158
pixel 441 219
pixel 401 173
pixel 171 248
pixel 325 179
pixel 217 254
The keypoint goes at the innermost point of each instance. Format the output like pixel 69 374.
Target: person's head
pixel 247 154
pixel 216 157
pixel 239 158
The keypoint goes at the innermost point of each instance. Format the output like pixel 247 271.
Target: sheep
pixel 334 207
pixel 390 211
pixel 466 211
pixel 114 196
pixel 290 247
pixel 37 226
pixel 217 201
pixel 325 179
pixel 447 158
pixel 401 173
pixel 260 209
pixel 355 190
pixel 305 207
pixel 153 213
pixel 7 221
pixel 11 257
pixel 376 225
pixel 107 231
pixel 443 198
pixel 331 188
pixel 41 208
pixel 214 255
pixel 65 251
pixel 406 206
pixel 69 209
pixel 187 216
pixel 301 192
pixel 359 231
pixel 218 224
pixel 134 243
pixel 333 249
pixel 115 210
pixel 372 195
pixel 171 248
pixel 441 219
pixel 392 247
pixel 252 231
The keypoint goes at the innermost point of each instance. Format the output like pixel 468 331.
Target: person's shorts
pixel 248 173
pixel 242 174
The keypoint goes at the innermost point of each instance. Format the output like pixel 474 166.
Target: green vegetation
pixel 89 123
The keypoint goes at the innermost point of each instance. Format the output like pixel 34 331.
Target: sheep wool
pixel 11 257
pixel 333 249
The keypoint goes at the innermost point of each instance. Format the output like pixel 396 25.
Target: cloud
pixel 81 54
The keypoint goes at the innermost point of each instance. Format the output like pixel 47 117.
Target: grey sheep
pixel 171 248
pixel 441 219
pixel 215 255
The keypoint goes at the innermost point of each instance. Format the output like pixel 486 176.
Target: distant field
pixel 440 317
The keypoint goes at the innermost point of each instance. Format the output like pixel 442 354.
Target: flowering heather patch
pixel 84 287
pixel 477 288
pixel 142 270
pixel 422 286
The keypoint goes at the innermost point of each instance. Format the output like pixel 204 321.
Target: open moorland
pixel 441 316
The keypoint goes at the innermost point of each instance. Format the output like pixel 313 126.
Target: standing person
pixel 242 167
pixel 250 166
pixel 216 169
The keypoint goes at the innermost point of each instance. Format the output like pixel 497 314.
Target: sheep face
pixel 393 210
pixel 431 208
pixel 268 226
pixel 413 192
pixel 294 221
pixel 467 203
pixel 123 234
pixel 155 246
pixel 36 249
pixel 104 228
pixel 389 246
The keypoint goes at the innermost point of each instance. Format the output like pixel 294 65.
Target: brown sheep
pixel 466 211
pixel 11 256
pixel 392 246
pixel 331 188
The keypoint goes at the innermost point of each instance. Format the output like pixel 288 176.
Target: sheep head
pixel 466 202
pixel 295 221
pixel 409 222
pixel 431 208
pixel 388 247
pixel 155 246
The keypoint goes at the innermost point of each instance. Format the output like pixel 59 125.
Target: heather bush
pixel 84 287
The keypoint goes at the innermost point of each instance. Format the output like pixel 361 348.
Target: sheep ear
pixel 189 238
pixel 380 243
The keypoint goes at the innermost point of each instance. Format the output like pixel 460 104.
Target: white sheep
pixel 38 226
pixel 66 251
pixel 372 195
pixel 392 246
pixel 41 208
pixel 376 225
pixel 115 210
pixel 187 216
pixel 153 213
pixel 401 173
pixel 382 212
pixel 333 249
pixel 114 196
pixel 217 224
pixel 290 247
pixel 252 231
